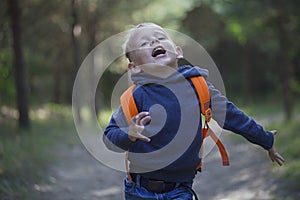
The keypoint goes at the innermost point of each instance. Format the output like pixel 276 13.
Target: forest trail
pixel 78 176
pixel 248 177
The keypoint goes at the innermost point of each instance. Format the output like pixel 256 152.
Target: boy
pixel 162 86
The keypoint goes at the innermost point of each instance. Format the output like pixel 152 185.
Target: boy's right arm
pixel 115 136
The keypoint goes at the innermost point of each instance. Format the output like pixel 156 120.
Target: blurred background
pixel 255 44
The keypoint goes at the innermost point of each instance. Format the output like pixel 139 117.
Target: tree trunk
pixel 57 77
pixel 76 31
pixel 20 69
pixel 284 62
pixel 246 74
pixel 92 31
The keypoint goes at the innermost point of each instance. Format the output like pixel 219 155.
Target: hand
pixel 137 126
pixel 275 157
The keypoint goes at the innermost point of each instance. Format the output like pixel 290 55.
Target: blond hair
pixel 126 45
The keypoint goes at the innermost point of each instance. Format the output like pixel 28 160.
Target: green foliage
pixel 234 32
pixel 236 29
pixel 262 109
pixel 245 43
pixel 23 159
pixel 167 13
pixel 288 142
pixel 25 154
pixel 295 86
pixel 104 117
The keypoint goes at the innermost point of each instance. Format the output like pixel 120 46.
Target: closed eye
pixel 161 38
pixel 143 44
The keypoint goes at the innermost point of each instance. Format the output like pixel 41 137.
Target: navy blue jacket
pixel 176 128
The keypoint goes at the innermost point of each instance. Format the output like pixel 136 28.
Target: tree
pixel 76 31
pixel 263 39
pixel 20 68
pixel 285 64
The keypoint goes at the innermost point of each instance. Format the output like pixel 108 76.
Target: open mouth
pixel 158 51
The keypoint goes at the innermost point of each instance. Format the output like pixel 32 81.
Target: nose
pixel 154 40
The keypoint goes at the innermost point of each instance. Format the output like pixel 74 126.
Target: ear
pixel 179 52
pixel 131 65
pixel 132 68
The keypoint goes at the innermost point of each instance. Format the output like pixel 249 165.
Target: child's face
pixel 151 44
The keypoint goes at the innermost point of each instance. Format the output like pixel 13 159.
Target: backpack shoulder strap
pixel 204 96
pixel 128 104
pixel 129 109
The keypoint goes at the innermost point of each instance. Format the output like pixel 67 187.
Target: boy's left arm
pixel 231 118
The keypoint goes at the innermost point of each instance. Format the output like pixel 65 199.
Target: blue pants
pixel 133 191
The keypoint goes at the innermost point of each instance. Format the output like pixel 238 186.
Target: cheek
pixel 143 55
pixel 170 48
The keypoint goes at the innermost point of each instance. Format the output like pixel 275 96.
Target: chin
pixel 168 62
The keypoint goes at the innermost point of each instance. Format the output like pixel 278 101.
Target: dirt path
pixel 247 177
pixel 79 176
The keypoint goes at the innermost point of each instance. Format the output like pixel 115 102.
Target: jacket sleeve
pixel 233 119
pixel 115 136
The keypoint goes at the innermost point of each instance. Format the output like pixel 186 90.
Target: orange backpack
pixel 130 110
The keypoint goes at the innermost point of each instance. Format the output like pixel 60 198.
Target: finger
pixel 143 114
pixel 144 138
pixel 145 120
pixel 134 119
pixel 140 116
pixel 274 132
pixel 279 157
pixel 279 162
pixel 272 154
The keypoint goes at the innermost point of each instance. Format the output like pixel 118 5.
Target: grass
pixel 25 154
pixel 287 143
pixel 262 109
pixel 104 117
